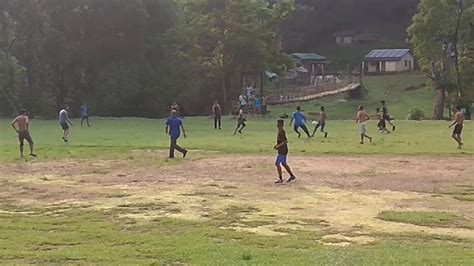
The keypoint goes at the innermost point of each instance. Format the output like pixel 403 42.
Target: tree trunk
pixel 438 113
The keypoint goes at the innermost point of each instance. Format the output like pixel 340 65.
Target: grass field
pixel 111 197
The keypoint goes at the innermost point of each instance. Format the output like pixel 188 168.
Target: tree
pixel 440 35
pixel 232 37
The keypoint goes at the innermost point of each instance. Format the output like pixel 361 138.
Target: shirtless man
pixel 361 119
pixel 321 123
pixel 458 121
pixel 23 131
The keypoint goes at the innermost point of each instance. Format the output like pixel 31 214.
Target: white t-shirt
pixel 242 100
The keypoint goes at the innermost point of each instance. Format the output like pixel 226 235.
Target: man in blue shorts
pixel 300 122
pixel 282 148
pixel 174 125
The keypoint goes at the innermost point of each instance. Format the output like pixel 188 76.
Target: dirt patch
pixel 339 197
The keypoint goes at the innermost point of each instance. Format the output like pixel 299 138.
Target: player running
pixel 240 122
pixel 65 122
pixel 382 125
pixel 361 119
pixel 458 121
pixel 23 132
pixel 321 123
pixel 386 116
pixel 282 148
pixel 300 122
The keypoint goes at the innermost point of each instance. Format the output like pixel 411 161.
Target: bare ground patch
pixel 339 197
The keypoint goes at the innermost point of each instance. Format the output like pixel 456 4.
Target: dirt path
pixel 340 197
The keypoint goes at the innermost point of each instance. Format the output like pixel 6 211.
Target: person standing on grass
pixel 173 128
pixel 458 121
pixel 361 119
pixel 85 114
pixel 240 122
pixel 386 116
pixel 65 122
pixel 217 114
pixel 282 148
pixel 300 122
pixel 23 132
pixel 321 123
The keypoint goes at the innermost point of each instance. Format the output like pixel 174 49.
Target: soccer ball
pixel 314 123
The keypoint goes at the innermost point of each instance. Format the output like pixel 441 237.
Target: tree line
pixel 135 57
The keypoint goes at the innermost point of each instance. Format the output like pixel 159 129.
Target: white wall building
pixel 388 61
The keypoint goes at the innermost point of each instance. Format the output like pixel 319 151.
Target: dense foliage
pixel 135 57
pixel 442 34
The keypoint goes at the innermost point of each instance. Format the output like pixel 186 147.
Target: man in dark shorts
pixel 458 122
pixel 173 128
pixel 321 123
pixel 23 131
pixel 217 114
pixel 382 125
pixel 240 122
pixel 300 122
pixel 282 148
pixel 386 116
pixel 65 122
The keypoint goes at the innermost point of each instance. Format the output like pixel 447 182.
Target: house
pixel 314 63
pixel 348 38
pixel 388 61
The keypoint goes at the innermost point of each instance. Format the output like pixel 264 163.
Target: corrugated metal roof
pixel 387 54
pixel 308 56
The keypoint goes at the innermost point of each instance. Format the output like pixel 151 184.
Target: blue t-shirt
pixel 84 111
pixel 258 103
pixel 174 125
pixel 299 118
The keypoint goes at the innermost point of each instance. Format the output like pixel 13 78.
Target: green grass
pixel 84 237
pixel 115 138
pixel 389 88
pixel 419 218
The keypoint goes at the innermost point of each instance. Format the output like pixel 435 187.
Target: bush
pixel 416 114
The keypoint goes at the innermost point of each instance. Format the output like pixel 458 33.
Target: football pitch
pixel 110 196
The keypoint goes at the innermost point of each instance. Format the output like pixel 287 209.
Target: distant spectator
pixel 249 91
pixel 258 106
pixel 85 114
pixel 175 107
pixel 264 105
pixel 217 114
pixel 242 102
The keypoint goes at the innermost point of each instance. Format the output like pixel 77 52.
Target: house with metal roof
pixel 314 63
pixel 388 61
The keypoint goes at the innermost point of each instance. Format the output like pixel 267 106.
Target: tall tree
pixel 440 34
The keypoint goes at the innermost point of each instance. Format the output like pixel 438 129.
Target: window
pixel 406 63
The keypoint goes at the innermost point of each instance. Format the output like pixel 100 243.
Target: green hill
pixel 397 90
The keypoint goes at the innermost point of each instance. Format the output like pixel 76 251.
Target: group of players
pixel 174 127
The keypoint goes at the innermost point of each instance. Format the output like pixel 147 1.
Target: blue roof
pixel 309 56
pixel 387 54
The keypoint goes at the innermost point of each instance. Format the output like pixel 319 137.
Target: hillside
pixel 390 88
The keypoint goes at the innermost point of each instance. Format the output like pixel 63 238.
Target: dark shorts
pixel 321 125
pixel 85 117
pixel 24 135
pixel 387 117
pixel 457 130
pixel 64 126
pixel 382 124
